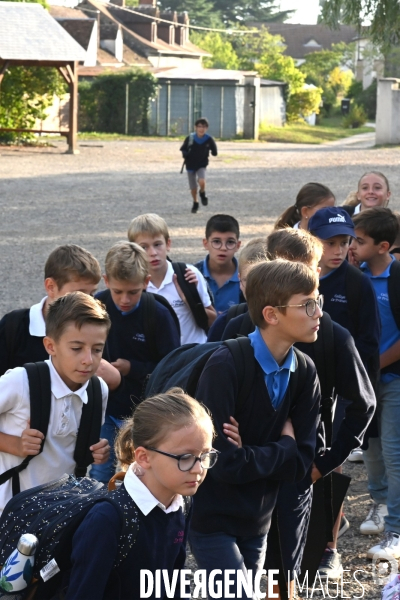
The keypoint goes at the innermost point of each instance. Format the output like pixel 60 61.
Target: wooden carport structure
pixel 30 37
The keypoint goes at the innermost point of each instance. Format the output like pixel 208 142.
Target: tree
pixel 380 18
pixel 223 56
pixel 250 10
pixel 25 94
pixel 201 12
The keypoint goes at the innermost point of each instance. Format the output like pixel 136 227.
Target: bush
pixel 102 102
pixel 365 98
pixel 303 103
pixel 356 117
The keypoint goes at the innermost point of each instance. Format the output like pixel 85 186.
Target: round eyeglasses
pixel 217 244
pixel 186 462
pixel 311 305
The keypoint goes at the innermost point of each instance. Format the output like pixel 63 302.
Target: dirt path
pixel 48 198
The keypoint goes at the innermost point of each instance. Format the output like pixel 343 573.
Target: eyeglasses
pixel 311 305
pixel 217 244
pixel 186 462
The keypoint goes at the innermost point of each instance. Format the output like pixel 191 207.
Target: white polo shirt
pixel 143 497
pixel 65 416
pixel 190 332
pixel 37 324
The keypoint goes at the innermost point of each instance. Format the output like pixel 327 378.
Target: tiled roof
pixel 296 37
pixel 29 33
pixel 80 29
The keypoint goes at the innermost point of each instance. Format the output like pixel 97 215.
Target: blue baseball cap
pixel 328 222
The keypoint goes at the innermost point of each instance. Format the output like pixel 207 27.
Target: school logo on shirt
pixel 383 297
pixel 339 298
pixel 177 303
pixel 179 537
pixel 337 219
pixel 139 337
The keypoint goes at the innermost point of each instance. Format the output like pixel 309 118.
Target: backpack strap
pixel 324 359
pixel 393 291
pixel 11 327
pixel 235 311
pixel 89 428
pixel 40 404
pixel 353 281
pixel 192 295
pixel 243 357
pixel 149 324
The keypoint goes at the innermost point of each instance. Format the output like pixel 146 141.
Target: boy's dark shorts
pixel 193 176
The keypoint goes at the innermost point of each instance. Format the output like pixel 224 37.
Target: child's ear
pixel 142 457
pixel 384 247
pixel 239 243
pixel 146 282
pixel 49 345
pixel 205 243
pixel 168 244
pixel 270 316
pixel 106 281
pixel 51 288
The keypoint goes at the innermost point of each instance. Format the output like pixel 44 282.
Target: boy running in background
pixel 150 231
pixel 129 347
pixel 376 230
pixel 220 267
pixel 76 332
pixel 195 150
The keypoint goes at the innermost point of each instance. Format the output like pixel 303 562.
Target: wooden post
pixel 72 69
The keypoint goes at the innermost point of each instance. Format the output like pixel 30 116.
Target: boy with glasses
pixel 220 267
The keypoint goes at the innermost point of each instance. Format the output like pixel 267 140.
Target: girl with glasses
pixel 166 448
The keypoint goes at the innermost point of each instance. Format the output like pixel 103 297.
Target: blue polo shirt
pixel 229 293
pixel 276 377
pixel 390 334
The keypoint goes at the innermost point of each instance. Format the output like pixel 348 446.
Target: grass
pixel 301 133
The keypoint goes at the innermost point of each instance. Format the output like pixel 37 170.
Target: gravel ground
pixel 49 198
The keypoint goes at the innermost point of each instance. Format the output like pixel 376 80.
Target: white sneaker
pixel 356 456
pixel 375 522
pixel 389 546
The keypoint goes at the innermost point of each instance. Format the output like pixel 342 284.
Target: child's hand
pixel 100 452
pixel 30 442
pixel 351 259
pixel 315 474
pixel 231 430
pixel 288 429
pixel 110 374
pixel 191 276
pixel 123 366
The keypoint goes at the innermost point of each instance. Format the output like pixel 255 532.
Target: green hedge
pixel 102 102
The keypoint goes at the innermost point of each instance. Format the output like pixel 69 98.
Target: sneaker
pixel 356 456
pixel 330 566
pixel 375 522
pixel 389 546
pixel 195 207
pixel 344 526
pixel 203 198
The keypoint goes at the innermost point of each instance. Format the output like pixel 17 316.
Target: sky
pixel 306 10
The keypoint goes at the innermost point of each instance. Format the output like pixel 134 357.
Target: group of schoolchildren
pixel 264 445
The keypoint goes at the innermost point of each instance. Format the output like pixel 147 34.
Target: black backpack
pixel 40 405
pixel 192 296
pixel 149 304
pixel 183 367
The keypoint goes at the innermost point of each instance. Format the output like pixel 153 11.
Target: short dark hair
pixel 70 263
pixel 273 283
pixel 201 121
pixel 378 223
pixel 223 224
pixel 77 308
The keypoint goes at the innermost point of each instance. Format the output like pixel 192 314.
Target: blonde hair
pixel 273 283
pixel 69 263
pixel 295 245
pixel 254 251
pixel 148 223
pixel 78 308
pixel 154 418
pixel 127 261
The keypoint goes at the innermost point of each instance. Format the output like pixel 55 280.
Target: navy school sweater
pixel 366 329
pixel 351 382
pixel 160 544
pixel 27 347
pixel 239 493
pixel 127 340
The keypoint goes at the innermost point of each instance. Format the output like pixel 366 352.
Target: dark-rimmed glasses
pixel 311 305
pixel 217 244
pixel 186 462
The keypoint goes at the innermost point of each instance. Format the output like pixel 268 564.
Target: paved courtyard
pixel 48 198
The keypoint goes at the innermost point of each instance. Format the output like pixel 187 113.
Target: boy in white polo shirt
pixel 76 331
pixel 150 231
